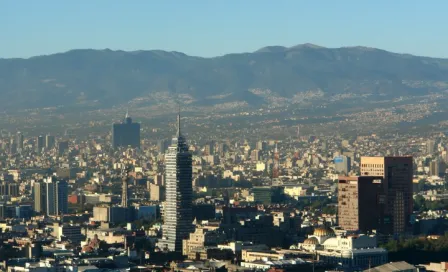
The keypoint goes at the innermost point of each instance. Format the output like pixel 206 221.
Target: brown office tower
pixel 361 203
pixel 397 173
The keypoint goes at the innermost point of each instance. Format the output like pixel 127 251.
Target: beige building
pixel 255 155
pixel 229 174
pixel 249 255
pixel 108 235
pixel 295 190
pixel 199 240
pixel 260 166
pixel 101 214
pixel 210 159
pixel 437 267
pixel 394 267
pixel 156 192
pixel 105 198
pixel 372 166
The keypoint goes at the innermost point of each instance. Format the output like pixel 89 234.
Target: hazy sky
pixel 216 27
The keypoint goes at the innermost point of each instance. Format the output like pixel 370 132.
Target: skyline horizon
pixel 215 28
pixel 314 45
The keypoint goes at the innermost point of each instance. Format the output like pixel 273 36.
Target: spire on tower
pixel 178 122
pixel 127 118
pixel 276 164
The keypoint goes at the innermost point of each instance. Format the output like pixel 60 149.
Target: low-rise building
pixel 348 250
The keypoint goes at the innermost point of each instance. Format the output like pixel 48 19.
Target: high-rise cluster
pixel 51 197
pixel 380 199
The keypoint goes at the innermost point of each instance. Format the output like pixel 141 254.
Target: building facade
pixel 156 192
pixel 126 134
pixel 361 203
pixel 40 143
pixel 267 195
pixel 342 164
pixel 54 200
pixel 125 188
pixel 9 189
pixel 19 140
pixel 49 141
pixel 397 173
pixel 350 250
pixel 62 147
pixel 199 240
pixel 434 168
pixel 39 196
pixel 178 217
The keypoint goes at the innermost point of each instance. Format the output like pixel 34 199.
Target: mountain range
pixel 103 78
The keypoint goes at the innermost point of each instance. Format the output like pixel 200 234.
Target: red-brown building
pixel 361 203
pixel 73 199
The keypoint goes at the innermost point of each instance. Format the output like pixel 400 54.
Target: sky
pixel 216 27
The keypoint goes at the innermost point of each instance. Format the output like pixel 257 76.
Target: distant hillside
pixel 115 77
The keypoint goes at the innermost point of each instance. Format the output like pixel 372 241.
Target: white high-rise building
pixel 430 146
pixel 178 216
pixel 39 197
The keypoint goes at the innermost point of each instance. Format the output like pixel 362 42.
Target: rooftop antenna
pixel 178 119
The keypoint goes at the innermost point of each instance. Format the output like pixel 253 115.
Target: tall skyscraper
pixel 19 140
pixel 125 188
pixel 62 147
pixel 276 163
pixel 126 133
pixel 39 197
pixel 398 174
pixel 209 148
pixel 255 155
pixel 162 145
pixel 12 146
pixel 222 148
pixel 55 194
pixel 434 168
pixel 361 203
pixel 49 141
pixel 430 146
pixel 261 145
pixel 178 217
pixel 40 143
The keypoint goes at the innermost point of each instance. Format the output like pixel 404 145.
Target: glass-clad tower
pixel 178 217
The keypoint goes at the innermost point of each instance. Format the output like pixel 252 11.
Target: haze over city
pixel 223 136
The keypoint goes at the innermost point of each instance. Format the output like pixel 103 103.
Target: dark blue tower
pixel 126 134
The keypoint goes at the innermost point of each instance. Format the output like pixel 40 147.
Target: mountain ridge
pixel 112 77
pixel 301 45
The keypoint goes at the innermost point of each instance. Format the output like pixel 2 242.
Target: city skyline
pixel 300 153
pixel 225 199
